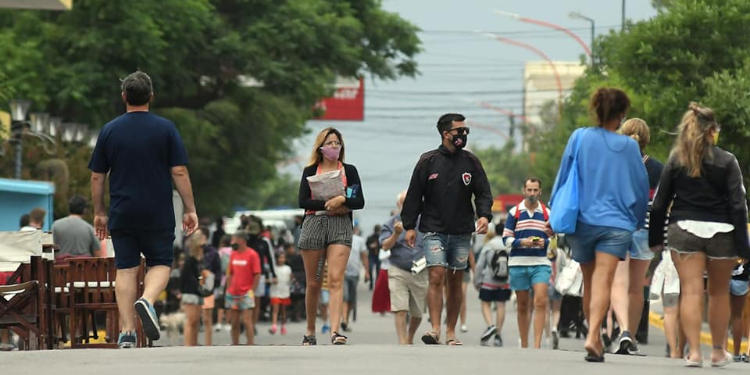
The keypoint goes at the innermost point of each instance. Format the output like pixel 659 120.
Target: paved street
pixel 372 350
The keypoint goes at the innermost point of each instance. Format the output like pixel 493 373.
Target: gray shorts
pixel 670 299
pixel 350 288
pixel 720 246
pixel 319 231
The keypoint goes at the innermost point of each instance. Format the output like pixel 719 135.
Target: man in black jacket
pixel 441 188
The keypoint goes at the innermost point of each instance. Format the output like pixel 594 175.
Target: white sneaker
pixel 464 329
pixel 217 327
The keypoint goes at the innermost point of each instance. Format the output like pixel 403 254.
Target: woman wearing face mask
pixel 707 230
pixel 326 234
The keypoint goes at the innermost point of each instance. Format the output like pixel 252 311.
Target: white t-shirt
pixel 354 265
pixel 283 282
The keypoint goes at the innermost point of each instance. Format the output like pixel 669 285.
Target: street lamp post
pixel 580 16
pixel 42 127
pixel 567 31
pixel 18 110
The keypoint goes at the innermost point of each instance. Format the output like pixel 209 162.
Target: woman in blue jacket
pixel 613 195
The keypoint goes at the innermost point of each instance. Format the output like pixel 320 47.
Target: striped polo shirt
pixel 528 224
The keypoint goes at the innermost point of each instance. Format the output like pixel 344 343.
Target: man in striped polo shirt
pixel 529 266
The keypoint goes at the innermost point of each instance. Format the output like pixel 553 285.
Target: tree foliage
pixel 200 54
pixel 690 51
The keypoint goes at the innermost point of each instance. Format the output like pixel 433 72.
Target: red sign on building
pixel 347 102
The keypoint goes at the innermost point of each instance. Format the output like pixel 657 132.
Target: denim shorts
pixel 738 288
pixel 447 250
pixel 588 239
pixel 525 277
pixel 639 248
pixel 243 302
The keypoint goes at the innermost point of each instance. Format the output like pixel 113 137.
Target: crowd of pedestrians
pixel 618 221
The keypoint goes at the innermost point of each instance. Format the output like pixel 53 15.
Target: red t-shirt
pixel 243 267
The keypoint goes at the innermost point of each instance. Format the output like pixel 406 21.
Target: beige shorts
pixel 408 291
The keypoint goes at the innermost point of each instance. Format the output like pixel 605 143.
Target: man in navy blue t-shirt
pixel 143 154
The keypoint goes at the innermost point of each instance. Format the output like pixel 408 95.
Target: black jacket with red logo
pixel 440 190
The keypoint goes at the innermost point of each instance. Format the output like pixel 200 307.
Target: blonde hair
pixel 693 142
pixel 638 130
pixel 316 156
pixel 194 244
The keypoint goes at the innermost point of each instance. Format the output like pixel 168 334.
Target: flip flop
pixel 723 362
pixel 430 338
pixel 592 356
pixel 453 342
pixel 690 363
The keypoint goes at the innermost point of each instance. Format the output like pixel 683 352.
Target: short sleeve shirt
pixel 355 263
pixel 138 150
pixel 243 266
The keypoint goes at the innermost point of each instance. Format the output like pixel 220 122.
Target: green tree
pixel 200 55
pixel 690 51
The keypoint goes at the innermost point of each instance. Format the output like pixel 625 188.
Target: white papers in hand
pixel 326 185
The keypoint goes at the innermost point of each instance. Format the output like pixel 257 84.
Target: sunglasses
pixel 461 130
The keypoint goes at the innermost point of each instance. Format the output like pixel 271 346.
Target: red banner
pixel 347 102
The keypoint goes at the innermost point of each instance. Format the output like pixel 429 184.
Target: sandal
pixel 593 356
pixel 309 340
pixel 337 339
pixel 691 363
pixel 722 362
pixel 430 338
pixel 453 342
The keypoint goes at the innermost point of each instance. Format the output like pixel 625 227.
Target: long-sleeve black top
pixel 441 189
pixel 354 202
pixel 264 252
pixel 718 195
pixel 190 276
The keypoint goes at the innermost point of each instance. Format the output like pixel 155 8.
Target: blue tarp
pixel 18 197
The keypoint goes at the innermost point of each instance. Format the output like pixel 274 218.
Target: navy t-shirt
pixel 138 149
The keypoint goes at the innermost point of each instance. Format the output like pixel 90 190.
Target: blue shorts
pixel 554 295
pixel 447 250
pixel 525 277
pixel 156 247
pixel 588 239
pixel 738 288
pixel 639 248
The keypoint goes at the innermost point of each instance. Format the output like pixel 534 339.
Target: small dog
pixel 173 323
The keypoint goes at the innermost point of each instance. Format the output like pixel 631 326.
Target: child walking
pixel 280 294
pixel 491 279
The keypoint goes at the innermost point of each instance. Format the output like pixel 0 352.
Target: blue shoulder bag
pixel 564 215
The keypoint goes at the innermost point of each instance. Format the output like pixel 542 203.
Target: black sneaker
pixel 148 318
pixel 126 340
pixel 633 349
pixel 555 340
pixel 498 341
pixel 625 344
pixel 345 327
pixel 488 333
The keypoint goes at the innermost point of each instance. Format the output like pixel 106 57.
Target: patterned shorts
pixel 319 231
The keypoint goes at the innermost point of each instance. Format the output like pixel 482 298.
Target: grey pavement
pixel 372 349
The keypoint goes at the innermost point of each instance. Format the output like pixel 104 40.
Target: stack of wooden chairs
pixel 52 305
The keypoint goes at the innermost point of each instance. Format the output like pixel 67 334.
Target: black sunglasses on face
pixel 461 130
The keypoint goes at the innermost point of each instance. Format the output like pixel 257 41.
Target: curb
pixel 657 321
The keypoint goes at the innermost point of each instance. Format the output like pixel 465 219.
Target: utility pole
pixel 622 22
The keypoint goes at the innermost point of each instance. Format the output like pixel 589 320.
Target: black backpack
pixel 499 264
